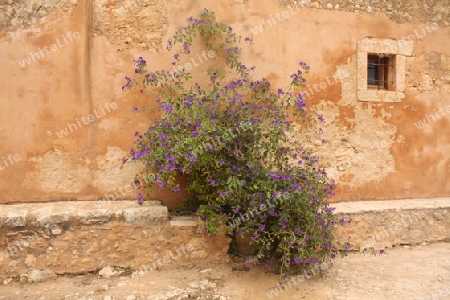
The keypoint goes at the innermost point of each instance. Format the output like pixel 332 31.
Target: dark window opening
pixel 380 72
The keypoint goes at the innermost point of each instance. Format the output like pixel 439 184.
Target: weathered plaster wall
pixel 83 76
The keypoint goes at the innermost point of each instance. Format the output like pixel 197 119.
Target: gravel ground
pixel 419 272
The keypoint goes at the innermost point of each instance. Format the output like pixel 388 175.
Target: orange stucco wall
pixel 93 48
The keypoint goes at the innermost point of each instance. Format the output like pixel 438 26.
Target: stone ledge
pixel 81 213
pixel 380 96
pixel 184 221
pixel 394 204
pixel 386 46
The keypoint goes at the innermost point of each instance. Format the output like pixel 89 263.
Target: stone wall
pixel 59 238
pixel 138 24
pixel 81 237
pixel 383 224
pixel 30 12
pixel 401 11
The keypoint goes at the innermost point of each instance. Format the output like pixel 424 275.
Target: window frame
pixel 394 53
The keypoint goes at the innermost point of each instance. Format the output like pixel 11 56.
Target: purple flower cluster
pixel 278 176
pixel 140 62
pixel 128 84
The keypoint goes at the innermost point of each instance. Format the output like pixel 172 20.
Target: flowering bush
pixel 231 137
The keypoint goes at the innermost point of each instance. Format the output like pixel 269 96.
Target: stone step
pixel 81 213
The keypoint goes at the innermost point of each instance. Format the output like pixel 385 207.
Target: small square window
pixel 380 72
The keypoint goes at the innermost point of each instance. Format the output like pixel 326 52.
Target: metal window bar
pixel 382 65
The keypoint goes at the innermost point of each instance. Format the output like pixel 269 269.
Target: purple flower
pixel 223 194
pixel 167 108
pixel 128 79
pixel 255 237
pixel 382 251
pixel 280 91
pixel 176 189
pixel 297 186
pixel 304 65
pixel 194 133
pixel 170 167
pixel 140 198
pixel 186 48
pixel 162 136
pixel 320 117
pixel 140 61
pixel 300 104
pixel 262 227
pixel 211 147
pixel 297 232
pixel 298 260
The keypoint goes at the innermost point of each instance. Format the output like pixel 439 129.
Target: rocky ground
pixel 419 272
